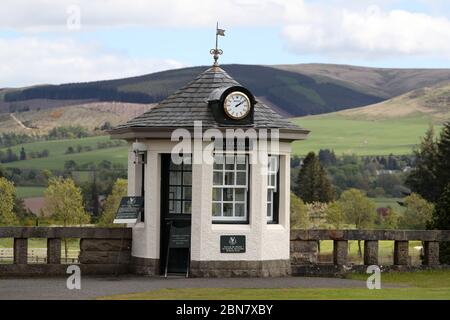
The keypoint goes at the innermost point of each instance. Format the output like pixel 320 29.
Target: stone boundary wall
pixel 102 250
pixel 305 250
pixel 108 251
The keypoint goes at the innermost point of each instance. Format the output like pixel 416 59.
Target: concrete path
pixel 92 287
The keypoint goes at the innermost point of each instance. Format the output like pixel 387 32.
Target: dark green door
pixel 176 204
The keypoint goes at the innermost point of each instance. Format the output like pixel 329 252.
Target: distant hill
pixel 91 116
pixel 429 102
pixel 393 126
pixel 380 82
pixel 292 90
pixel 291 93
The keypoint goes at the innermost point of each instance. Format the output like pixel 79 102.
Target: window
pixel 180 187
pixel 272 189
pixel 140 162
pixel 230 188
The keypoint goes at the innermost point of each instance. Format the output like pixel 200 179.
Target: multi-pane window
pixel 180 187
pixel 230 188
pixel 272 188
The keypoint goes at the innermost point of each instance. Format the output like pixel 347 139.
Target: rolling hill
pixel 291 93
pixel 89 115
pixel 393 126
pixel 381 82
pixel 432 103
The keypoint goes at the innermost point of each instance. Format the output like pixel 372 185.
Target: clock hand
pixel 239 104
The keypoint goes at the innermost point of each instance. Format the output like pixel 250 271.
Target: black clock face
pixel 237 105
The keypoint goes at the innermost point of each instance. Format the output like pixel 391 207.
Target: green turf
pixel 421 285
pixel 361 137
pixel 385 252
pixel 419 279
pixel 29 192
pixel 288 294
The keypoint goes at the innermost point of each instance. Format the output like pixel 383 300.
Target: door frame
pixel 165 217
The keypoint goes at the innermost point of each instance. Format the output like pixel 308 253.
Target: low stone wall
pixel 108 251
pixel 102 250
pixel 236 268
pixel 305 250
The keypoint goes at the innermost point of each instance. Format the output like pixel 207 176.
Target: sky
pixel 59 41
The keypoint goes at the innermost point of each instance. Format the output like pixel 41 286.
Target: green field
pixel 421 285
pixel 29 192
pixel 331 131
pixel 58 157
pixel 361 137
pixel 389 202
pixel 385 252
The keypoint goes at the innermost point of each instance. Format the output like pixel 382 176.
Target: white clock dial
pixel 237 105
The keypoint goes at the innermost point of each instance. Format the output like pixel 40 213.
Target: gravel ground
pixel 92 287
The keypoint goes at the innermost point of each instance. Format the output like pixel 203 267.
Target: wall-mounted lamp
pixel 140 152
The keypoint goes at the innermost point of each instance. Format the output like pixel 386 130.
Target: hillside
pixel 428 102
pixel 380 82
pixel 393 126
pixel 292 93
pixel 90 116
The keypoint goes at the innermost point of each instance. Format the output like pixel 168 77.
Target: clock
pixel 237 105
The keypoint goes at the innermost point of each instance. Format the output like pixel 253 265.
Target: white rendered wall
pixel 263 241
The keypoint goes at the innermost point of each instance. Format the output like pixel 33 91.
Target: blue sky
pixel 71 41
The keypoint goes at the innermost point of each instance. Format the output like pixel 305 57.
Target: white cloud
pixel 333 28
pixel 30 60
pixel 371 33
pixel 328 27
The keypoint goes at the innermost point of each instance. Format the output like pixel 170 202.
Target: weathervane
pixel 217 52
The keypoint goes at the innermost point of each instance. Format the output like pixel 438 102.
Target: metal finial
pixel 217 52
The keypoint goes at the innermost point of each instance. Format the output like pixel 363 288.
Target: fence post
pixel 371 252
pixel 401 252
pixel 53 251
pixel 20 250
pixel 431 252
pixel 340 252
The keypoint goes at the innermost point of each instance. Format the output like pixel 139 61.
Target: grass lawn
pixel 29 192
pixel 422 285
pixel 37 243
pixel 359 136
pixel 385 251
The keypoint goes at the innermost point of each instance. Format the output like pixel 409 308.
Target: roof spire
pixel 217 52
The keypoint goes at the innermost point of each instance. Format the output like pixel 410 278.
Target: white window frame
pixel 272 189
pixel 223 171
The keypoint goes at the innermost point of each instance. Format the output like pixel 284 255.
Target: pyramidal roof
pixel 190 103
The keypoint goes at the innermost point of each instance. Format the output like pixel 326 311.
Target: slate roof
pixel 190 104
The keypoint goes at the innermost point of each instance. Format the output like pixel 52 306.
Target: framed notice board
pixel 232 244
pixel 129 209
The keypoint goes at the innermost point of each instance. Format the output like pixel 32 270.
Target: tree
pixel 335 215
pixel 358 210
pixel 327 157
pixel 418 212
pixel 64 202
pixel 23 154
pixel 299 214
pixel 7 193
pixel 387 218
pixel 112 202
pixel 312 181
pixel 441 221
pixel 443 160
pixel 422 179
pixel 10 156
